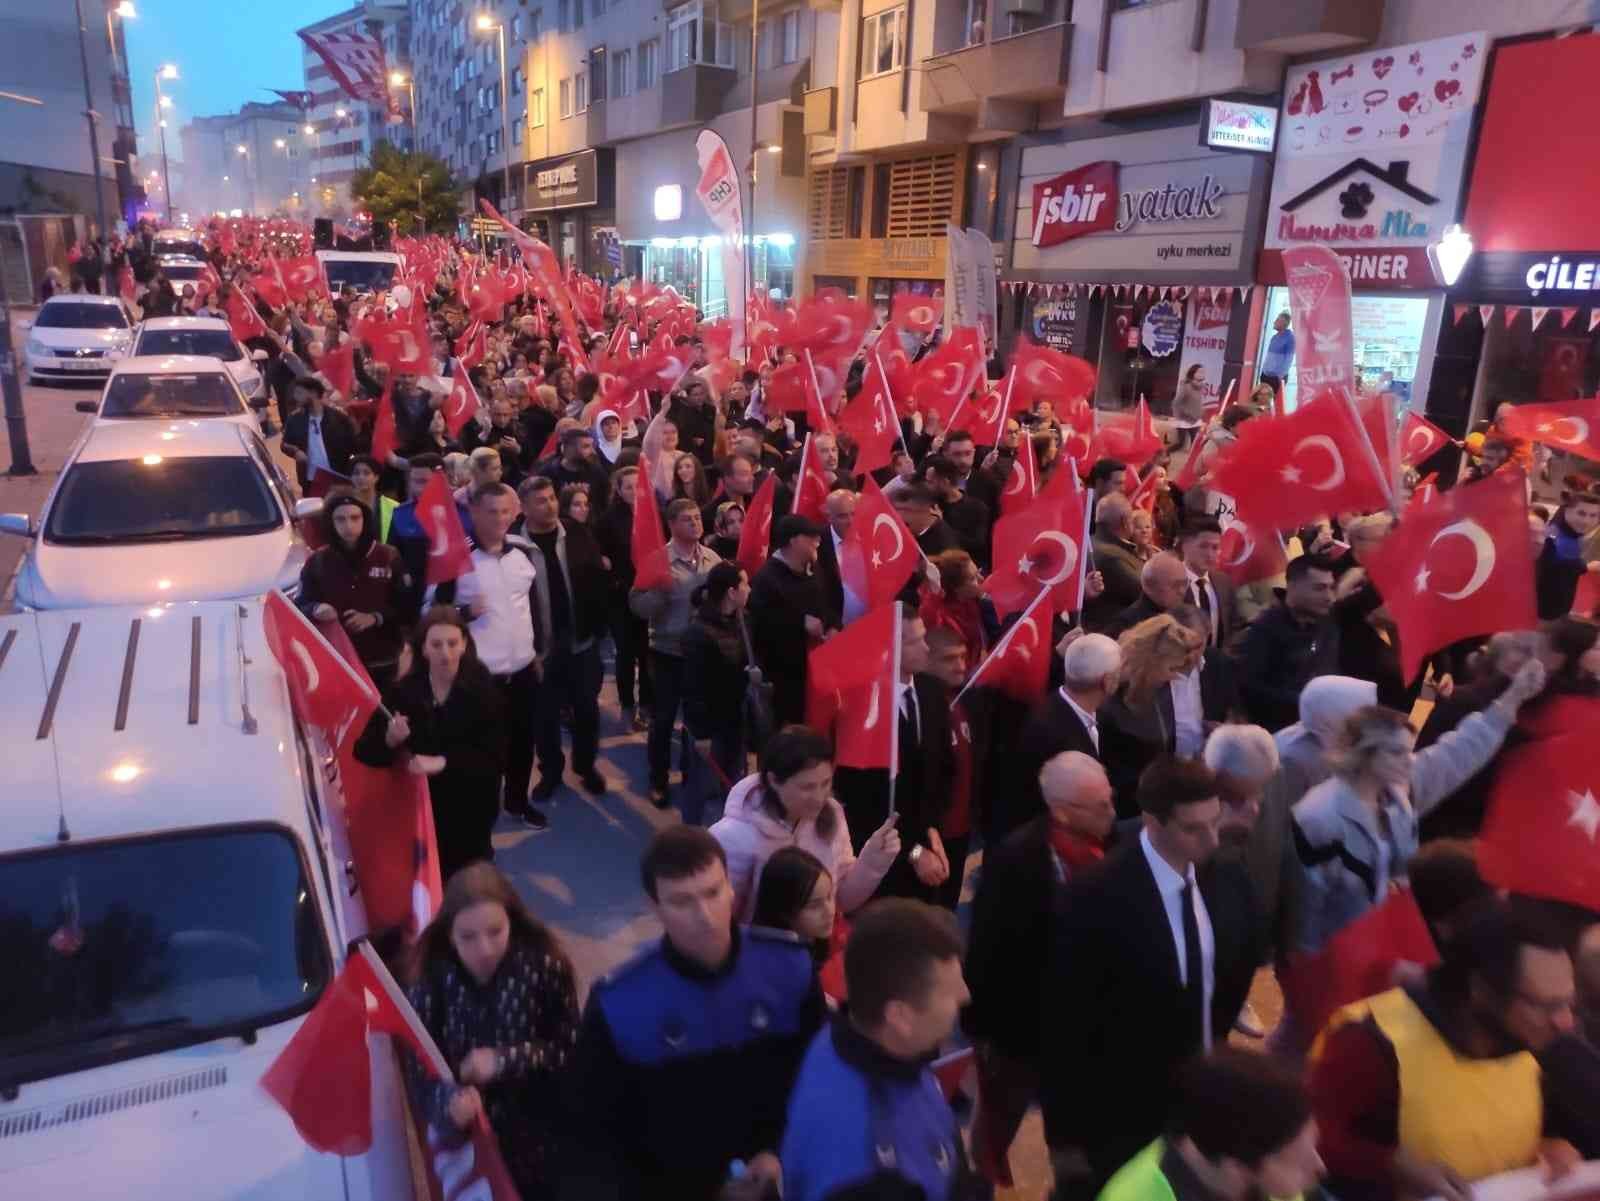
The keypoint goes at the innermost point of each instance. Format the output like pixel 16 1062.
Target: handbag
pixel 757 707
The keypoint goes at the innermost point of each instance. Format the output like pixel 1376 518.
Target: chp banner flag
pixel 449 556
pixel 987 288
pixel 1420 439
pixel 1458 566
pixel 1572 426
pixel 355 62
pixel 850 689
pixel 881 553
pixel 755 536
pixel 1319 298
pixel 718 190
pixel 961 303
pixel 1541 835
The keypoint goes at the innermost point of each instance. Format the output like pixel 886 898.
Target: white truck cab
pixel 366 271
pixel 174 899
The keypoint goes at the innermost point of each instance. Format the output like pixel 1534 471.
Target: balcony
pixel 693 95
pixel 1307 26
pixel 998 83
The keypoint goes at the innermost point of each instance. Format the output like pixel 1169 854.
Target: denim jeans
pixel 667 674
pixel 571 679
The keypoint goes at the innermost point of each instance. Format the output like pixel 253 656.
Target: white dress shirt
pixel 1211 605
pixel 1087 718
pixel 1170 884
pixel 1188 714
pixel 503 634
pixel 316 452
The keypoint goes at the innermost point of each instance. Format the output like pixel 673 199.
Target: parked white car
pixel 208 336
pixel 76 335
pixel 150 511
pixel 171 387
pixel 173 903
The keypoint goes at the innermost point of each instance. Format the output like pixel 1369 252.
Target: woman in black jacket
pixel 716 663
pixel 496 992
pixel 446 721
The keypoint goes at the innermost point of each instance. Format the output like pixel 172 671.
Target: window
pixel 536 107
pixel 649 53
pixel 789 47
pixel 622 76
pixel 580 92
pixel 693 38
pixel 566 97
pixel 536 25
pixel 516 81
pixel 577 14
pixel 516 134
pixel 177 498
pixel 563 14
pixel 516 26
pixel 883 37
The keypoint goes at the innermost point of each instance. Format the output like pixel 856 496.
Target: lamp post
pixel 485 24
pixel 244 152
pixel 168 71
pixel 311 132
pixel 89 115
pixel 401 79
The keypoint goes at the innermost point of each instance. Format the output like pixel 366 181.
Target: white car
pixel 150 511
pixel 180 269
pixel 173 903
pixel 170 387
pixel 208 336
pixel 185 242
pixel 77 335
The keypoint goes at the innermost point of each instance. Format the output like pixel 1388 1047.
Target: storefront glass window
pixel 845 283
pixel 1141 343
pixel 1524 365
pixel 1388 332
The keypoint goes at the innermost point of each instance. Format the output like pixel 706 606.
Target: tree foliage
pixel 400 184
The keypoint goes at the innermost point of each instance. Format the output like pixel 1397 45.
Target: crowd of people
pixel 1220 777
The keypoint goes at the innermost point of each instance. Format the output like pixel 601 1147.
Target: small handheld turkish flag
pixel 1458 566
pixel 1022 485
pixel 1248 555
pixel 338 366
pixel 1542 832
pixel 1572 426
pixel 851 677
pixel 881 552
pixel 1420 439
pixel 243 320
pixel 1040 546
pixel 755 536
pixel 462 404
pixel 472 345
pixel 919 314
pixel 811 485
pixel 647 542
pixel 943 380
pixel 326 691
pixel 1019 664
pixel 449 556
pixel 1046 374
pixel 870 419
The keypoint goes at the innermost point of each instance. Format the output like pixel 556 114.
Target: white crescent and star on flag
pixel 1585 813
pixel 1483 558
pixel 1293 472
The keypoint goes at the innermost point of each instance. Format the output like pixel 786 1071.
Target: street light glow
pixel 310 129
pixel 241 148
pixel 170 71
pixel 397 79
pixel 126 10
pixel 166 102
pixel 338 112
pixel 487 23
pixel 278 143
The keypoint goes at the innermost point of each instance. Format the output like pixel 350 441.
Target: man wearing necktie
pixel 1209 590
pixel 1150 964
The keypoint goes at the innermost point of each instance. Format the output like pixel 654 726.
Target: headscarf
pixel 609 448
pixel 1326 701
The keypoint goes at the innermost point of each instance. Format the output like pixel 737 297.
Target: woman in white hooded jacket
pixel 789 802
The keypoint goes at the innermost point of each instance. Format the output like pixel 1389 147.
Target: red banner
pixel 1319 297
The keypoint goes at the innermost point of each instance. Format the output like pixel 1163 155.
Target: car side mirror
pixel 259 356
pixel 16 523
pixel 87 406
pixel 306 506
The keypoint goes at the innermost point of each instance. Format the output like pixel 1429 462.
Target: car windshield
pixel 191 250
pixel 208 394
pixel 118 948
pixel 183 273
pixel 155 499
pixel 218 343
pixel 362 275
pixel 69 315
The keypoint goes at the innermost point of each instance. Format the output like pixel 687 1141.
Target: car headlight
pixel 38 350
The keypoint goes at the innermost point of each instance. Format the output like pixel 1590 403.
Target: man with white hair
pixel 1115 559
pixel 1063 721
pixel 1163 582
pixel 1023 879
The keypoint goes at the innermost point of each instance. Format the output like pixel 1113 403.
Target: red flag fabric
pixel 827 326
pixel 1022 485
pixel 1427 488
pixel 470 1171
pixel 385 434
pixel 1132 438
pixel 472 345
pixel 890 352
pixel 302 277
pixel 1319 298
pixel 540 263
pixel 955 1071
pixel 1019 664
pixel 755 536
pixel 1420 438
pixel 330 696
pixel 338 366
pixel 856 655
pixel 1458 566
pixel 1359 960
pixel 851 677
pixel 323 481
pixel 1541 835
pixel 400 342
pixel 945 378
pixel 462 404
pixel 1046 374
pixel 449 556
pixel 649 543
pixel 917 313
pixel 811 485
pixel 1572 425
pixel 1248 555
pixel 870 419
pixel 881 553
pixel 793 389
pixel 1380 424
pixel 1286 471
pixel 268 284
pixel 243 320
pixel 1040 547
pixel 126 287
pixel 1586 600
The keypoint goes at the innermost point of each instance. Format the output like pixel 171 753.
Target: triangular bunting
pixel 1485 312
pixel 1458 311
pixel 1539 315
pixel 1511 315
pixel 1243 290
pixel 1566 317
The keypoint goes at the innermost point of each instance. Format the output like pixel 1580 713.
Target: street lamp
pixel 399 79
pixel 487 24
pixel 166 71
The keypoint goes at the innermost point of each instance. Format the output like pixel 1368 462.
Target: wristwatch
pixel 916 853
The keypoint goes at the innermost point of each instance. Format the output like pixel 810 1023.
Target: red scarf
pixel 1074 850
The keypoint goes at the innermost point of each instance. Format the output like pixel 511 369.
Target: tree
pixel 400 184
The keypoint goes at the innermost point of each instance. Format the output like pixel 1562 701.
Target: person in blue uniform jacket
pixel 687 1054
pixel 867 1120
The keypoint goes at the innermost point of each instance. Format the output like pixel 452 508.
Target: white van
pixel 173 901
pixel 367 271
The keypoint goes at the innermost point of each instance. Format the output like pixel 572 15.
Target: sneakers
pixel 660 799
pixel 531 818
pixel 545 790
pixel 1248 1023
pixel 593 782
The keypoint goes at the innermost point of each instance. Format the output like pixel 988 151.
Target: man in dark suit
pixel 922 788
pixel 1163 580
pixel 318 435
pixel 1206 588
pixel 1064 720
pixel 963 512
pixel 1151 962
pixel 839 511
pixel 962 451
pixel 1115 559
pixel 1023 879
pixel 914 502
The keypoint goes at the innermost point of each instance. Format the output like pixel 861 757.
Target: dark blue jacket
pixel 862 1123
pixel 408 537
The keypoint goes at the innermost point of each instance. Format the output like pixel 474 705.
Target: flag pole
pixel 1004 642
pixel 1087 556
pixel 894 740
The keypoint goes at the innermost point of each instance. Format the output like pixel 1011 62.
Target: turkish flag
pixel 890 352
pixel 917 313
pixel 1248 555
pixel 324 481
pixel 385 434
pixel 755 536
pixel 1047 374
pixel 794 388
pixel 269 284
pixel 1286 471
pixel 243 320
pixel 1427 488
pixel 567 346
pixel 207 282
pixel 327 693
pixel 1458 566
pixel 1571 425
pixel 1541 835
pixel 1132 439
pixel 881 553
pixel 1040 546
pixel 811 485
pixel 338 365
pixel 1359 960
pixel 1420 439
pixel 850 684
pixel 1376 412
pixel 828 326
pixel 945 378
pixel 871 421
pixel 472 345
pixel 449 556
pixel 125 284
pixel 462 403
pixel 649 543
pixel 486 298
pixel 302 277
pixel 1022 485
pixel 1019 664
pixel 1144 491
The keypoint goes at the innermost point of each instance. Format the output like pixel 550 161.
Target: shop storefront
pixel 1527 307
pixel 570 203
pixel 1370 161
pixel 876 268
pixel 1137 252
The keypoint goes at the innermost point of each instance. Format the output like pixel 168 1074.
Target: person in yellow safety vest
pixel 1241 1129
pixel 1422 1090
